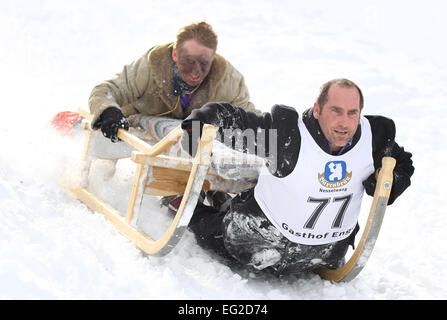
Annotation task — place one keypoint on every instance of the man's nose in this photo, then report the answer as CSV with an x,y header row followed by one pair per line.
x,y
196,68
343,120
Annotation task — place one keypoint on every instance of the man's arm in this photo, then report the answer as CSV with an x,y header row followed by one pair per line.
x,y
242,97
123,89
384,145
227,116
279,127
233,89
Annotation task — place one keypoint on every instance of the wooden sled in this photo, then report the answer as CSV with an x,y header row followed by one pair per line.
x,y
366,244
160,175
156,174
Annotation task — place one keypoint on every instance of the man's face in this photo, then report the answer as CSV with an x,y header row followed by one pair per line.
x,y
340,116
193,60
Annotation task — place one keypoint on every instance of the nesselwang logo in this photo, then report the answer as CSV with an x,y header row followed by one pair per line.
x,y
334,175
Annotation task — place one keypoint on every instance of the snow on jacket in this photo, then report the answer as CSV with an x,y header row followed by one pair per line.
x,y
146,86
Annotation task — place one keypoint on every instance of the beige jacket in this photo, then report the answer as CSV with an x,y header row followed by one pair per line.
x,y
146,86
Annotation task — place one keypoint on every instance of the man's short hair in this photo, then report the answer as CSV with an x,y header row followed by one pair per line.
x,y
324,90
202,32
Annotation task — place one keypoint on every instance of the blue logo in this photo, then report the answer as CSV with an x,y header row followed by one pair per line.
x,y
335,175
335,171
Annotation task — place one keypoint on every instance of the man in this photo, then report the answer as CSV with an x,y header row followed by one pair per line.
x,y
303,212
169,80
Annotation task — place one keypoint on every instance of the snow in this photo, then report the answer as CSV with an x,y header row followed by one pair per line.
x,y
53,54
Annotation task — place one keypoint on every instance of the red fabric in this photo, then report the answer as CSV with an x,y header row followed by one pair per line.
x,y
174,205
65,121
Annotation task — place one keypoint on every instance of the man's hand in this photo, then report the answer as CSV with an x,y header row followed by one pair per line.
x,y
400,183
192,131
110,121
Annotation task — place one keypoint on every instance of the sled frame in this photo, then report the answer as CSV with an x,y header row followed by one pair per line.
x,y
181,176
366,244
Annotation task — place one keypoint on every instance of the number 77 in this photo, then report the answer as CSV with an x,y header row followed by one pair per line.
x,y
311,222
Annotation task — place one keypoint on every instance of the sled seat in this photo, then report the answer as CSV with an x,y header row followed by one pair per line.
x,y
162,169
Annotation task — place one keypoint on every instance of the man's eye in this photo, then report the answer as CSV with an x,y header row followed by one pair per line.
x,y
336,110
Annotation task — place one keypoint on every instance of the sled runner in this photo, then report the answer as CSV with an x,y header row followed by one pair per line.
x,y
158,174
366,244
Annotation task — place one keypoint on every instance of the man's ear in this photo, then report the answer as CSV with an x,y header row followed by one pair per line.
x,y
174,55
316,110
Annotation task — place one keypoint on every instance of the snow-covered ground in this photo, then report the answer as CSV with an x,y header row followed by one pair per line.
x,y
54,52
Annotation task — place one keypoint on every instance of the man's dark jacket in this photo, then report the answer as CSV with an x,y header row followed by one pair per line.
x,y
284,120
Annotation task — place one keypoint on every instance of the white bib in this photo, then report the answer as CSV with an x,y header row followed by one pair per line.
x,y
319,202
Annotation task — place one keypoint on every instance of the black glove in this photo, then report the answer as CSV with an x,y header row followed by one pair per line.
x,y
400,183
192,131
370,184
110,121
